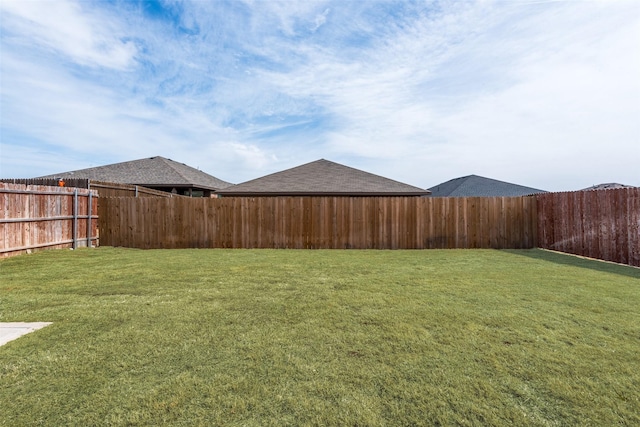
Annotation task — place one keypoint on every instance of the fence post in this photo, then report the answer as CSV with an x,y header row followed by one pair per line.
x,y
75,218
89,228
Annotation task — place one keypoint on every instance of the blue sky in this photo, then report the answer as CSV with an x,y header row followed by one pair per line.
x,y
539,93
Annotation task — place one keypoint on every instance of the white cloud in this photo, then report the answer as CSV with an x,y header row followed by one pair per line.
x,y
290,14
63,26
89,121
523,96
572,117
542,94
320,20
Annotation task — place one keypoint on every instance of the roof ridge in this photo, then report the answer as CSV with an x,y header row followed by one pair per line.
x,y
91,168
171,164
476,185
458,182
326,177
156,170
332,163
372,174
278,172
499,180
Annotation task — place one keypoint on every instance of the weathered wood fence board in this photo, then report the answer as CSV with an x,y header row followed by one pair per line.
x,y
36,216
601,224
319,222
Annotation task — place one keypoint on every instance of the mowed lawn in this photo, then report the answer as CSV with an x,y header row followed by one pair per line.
x,y
315,337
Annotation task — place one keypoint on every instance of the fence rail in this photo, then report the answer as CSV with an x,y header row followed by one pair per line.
x,y
319,222
105,189
112,189
602,224
37,216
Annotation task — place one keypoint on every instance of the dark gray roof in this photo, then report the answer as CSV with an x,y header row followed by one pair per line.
x,y
323,177
608,186
478,186
153,171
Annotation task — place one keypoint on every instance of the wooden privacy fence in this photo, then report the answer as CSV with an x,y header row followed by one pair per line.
x,y
36,216
601,224
319,222
598,224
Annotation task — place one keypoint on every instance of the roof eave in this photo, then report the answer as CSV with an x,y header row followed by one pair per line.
x,y
195,186
323,194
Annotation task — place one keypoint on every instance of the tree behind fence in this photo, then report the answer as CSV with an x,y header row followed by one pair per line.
x,y
319,222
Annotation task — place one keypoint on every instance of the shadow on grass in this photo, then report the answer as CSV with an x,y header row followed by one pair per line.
x,y
575,261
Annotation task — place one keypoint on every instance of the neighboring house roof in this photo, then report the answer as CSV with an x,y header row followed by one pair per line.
x,y
152,172
607,186
478,186
325,178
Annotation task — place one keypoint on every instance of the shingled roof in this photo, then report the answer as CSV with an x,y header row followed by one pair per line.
x,y
322,178
478,186
607,186
150,172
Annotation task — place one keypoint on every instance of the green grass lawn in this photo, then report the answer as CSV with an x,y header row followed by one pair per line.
x,y
279,337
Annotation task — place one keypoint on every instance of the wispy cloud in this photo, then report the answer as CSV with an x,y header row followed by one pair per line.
x,y
63,27
543,94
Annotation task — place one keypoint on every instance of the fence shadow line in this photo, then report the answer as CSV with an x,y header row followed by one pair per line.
x,y
578,261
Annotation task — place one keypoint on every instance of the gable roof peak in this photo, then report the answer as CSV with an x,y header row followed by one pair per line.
x,y
479,186
323,177
156,171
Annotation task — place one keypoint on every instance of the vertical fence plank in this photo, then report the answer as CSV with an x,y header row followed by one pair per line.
x,y
633,230
430,232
